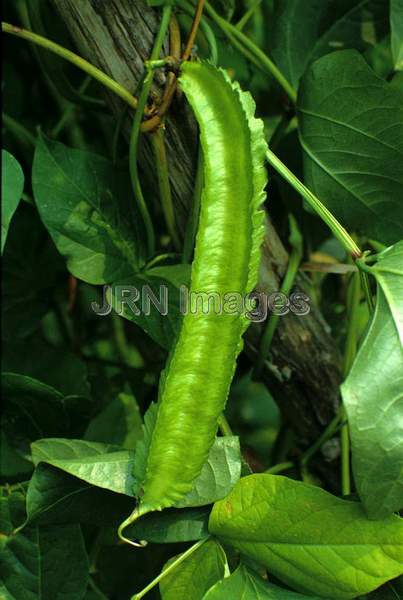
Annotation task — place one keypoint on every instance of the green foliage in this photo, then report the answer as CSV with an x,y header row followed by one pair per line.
x,y
305,31
40,563
246,584
192,578
12,185
353,149
308,538
163,328
84,204
373,395
172,525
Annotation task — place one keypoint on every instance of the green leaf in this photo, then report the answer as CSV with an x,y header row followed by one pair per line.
x,y
396,25
31,269
40,563
84,202
32,410
351,129
195,575
244,584
12,186
98,464
218,476
373,397
171,525
123,413
57,498
388,271
304,31
129,299
313,541
109,467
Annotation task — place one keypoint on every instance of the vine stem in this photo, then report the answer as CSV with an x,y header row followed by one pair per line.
x,y
193,30
354,293
337,229
273,320
135,132
156,120
170,568
73,58
264,62
161,162
205,27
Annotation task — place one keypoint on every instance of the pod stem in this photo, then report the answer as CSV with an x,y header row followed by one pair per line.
x,y
136,514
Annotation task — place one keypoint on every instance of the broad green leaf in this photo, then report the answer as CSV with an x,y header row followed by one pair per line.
x,y
32,410
313,541
244,584
40,563
118,423
304,31
396,25
31,269
85,204
111,468
351,129
388,271
12,186
171,525
373,397
98,464
57,498
195,575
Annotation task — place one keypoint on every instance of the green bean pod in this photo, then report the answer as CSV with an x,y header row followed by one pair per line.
x,y
195,384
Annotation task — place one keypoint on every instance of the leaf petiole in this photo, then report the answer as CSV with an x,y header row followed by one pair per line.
x,y
170,568
324,213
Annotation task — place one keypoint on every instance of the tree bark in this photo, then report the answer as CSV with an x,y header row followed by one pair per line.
x,y
303,369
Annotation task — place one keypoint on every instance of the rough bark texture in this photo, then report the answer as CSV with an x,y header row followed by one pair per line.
x,y
303,370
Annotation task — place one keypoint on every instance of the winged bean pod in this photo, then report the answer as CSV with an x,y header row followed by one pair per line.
x,y
195,384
